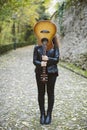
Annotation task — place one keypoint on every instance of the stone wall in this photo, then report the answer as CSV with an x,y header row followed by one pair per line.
x,y
74,42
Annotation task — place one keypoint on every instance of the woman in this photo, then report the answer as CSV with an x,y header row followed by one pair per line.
x,y
49,60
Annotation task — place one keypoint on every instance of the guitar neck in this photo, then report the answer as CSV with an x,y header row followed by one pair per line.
x,y
44,51
44,45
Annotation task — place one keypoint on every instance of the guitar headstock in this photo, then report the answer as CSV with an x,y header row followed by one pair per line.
x,y
45,29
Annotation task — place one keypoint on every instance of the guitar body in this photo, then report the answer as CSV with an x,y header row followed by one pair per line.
x,y
45,30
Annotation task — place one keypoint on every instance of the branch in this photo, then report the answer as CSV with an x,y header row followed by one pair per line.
x,y
53,15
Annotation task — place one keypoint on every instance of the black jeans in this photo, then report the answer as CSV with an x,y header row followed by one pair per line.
x,y
50,92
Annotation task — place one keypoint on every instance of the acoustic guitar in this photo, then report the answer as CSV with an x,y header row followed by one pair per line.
x,y
45,31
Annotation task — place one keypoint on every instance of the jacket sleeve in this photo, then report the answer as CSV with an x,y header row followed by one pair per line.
x,y
35,57
54,60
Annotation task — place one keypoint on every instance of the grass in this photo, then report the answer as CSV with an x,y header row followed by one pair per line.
x,y
73,68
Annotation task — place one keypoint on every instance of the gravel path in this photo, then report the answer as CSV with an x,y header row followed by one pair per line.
x,y
18,96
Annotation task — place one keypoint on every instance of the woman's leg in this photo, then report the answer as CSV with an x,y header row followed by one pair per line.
x,y
50,92
41,102
41,93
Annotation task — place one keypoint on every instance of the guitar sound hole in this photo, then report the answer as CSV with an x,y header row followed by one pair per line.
x,y
45,31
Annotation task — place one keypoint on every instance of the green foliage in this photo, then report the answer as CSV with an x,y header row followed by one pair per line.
x,y
5,34
17,18
60,12
5,48
62,7
40,10
74,68
69,3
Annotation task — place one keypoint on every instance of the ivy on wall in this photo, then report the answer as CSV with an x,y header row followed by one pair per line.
x,y
61,8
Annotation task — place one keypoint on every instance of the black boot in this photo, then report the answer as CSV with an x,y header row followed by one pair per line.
x,y
42,119
48,118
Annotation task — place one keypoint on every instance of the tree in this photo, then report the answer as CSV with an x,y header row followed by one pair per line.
x,y
22,13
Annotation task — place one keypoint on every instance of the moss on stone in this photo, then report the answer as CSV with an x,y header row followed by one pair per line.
x,y
73,68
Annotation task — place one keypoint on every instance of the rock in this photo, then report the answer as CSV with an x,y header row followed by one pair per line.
x,y
74,42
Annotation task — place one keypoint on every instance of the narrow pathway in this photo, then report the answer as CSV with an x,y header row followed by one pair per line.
x,y
18,96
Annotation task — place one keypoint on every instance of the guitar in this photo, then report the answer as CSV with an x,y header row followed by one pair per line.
x,y
45,31
44,76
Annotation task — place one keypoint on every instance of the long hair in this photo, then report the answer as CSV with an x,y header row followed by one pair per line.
x,y
56,41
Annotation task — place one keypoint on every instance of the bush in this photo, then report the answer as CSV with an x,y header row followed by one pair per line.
x,y
5,48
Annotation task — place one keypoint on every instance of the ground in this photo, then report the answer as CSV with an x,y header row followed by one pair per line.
x,y
18,96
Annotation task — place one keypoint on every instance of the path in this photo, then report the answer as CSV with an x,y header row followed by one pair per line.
x,y
18,96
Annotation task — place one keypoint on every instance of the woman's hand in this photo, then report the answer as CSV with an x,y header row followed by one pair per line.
x,y
43,63
44,58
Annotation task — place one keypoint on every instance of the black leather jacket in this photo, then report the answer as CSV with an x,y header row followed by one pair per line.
x,y
53,59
